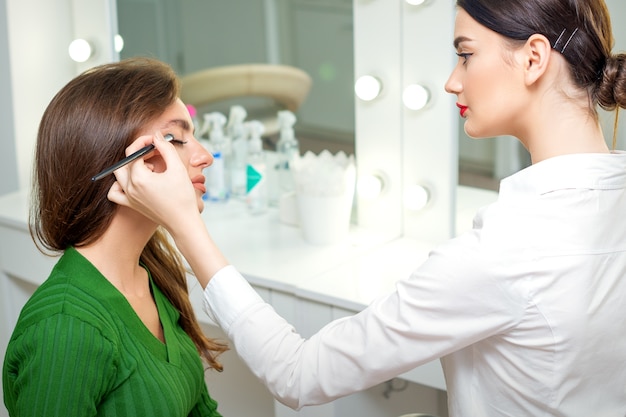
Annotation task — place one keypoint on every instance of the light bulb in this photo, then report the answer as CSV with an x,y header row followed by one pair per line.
x,y
367,87
415,97
417,2
118,41
416,197
80,50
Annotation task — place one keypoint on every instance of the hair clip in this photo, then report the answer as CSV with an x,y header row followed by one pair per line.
x,y
561,37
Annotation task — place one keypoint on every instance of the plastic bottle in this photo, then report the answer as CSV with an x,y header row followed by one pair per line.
x,y
256,197
217,180
287,149
239,140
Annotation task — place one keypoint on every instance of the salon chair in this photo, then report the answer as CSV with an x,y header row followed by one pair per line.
x,y
262,89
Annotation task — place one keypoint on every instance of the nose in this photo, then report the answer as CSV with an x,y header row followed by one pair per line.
x,y
454,85
201,157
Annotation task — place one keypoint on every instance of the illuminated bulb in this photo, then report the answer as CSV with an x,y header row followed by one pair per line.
x,y
369,187
367,87
415,97
118,41
417,2
80,50
416,197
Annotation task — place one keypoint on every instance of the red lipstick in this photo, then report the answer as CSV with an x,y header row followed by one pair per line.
x,y
463,109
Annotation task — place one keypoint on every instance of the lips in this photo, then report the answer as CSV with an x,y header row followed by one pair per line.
x,y
463,109
198,183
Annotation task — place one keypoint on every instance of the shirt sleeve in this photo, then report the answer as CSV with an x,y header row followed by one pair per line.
x,y
58,367
449,302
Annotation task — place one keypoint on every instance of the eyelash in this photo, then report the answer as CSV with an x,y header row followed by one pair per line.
x,y
465,56
177,141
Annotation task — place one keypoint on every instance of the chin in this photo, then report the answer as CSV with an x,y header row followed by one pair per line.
x,y
476,133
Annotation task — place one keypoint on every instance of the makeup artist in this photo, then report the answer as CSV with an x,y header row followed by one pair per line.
x,y
111,332
526,311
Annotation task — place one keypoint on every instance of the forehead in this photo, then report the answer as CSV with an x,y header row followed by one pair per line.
x,y
469,31
175,115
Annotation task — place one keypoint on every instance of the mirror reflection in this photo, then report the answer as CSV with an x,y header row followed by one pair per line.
x,y
315,36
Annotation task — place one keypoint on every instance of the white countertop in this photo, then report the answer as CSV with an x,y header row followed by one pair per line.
x,y
271,254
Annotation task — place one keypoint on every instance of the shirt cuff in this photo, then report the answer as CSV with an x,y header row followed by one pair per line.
x,y
227,296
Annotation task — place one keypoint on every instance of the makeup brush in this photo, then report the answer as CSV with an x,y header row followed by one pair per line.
x,y
130,158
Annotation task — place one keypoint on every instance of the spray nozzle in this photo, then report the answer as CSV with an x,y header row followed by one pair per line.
x,y
286,120
255,129
214,124
235,121
237,115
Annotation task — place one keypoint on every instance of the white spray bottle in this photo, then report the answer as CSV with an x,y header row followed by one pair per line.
x,y
287,149
217,184
239,143
256,197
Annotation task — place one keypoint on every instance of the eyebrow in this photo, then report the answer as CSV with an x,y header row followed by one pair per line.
x,y
459,40
180,122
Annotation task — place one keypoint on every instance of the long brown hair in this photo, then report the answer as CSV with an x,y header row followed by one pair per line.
x,y
86,128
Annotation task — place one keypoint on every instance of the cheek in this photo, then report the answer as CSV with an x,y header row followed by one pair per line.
x,y
492,104
158,163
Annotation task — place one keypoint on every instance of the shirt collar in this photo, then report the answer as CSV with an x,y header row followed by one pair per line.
x,y
576,171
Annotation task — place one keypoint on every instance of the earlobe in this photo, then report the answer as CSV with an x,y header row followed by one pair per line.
x,y
537,52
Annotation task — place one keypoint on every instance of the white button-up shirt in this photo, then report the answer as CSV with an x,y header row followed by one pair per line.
x,y
527,311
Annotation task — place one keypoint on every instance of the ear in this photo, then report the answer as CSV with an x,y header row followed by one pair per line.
x,y
535,55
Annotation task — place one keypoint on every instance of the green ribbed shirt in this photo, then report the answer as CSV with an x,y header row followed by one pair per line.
x,y
79,349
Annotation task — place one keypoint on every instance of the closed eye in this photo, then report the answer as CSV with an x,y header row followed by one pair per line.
x,y
178,141
464,55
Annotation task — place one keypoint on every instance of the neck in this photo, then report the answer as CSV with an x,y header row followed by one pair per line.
x,y
567,135
555,125
116,254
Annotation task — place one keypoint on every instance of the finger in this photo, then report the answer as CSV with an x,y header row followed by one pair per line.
x,y
117,195
167,151
139,143
123,174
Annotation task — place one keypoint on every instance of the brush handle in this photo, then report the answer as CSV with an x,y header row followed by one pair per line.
x,y
130,158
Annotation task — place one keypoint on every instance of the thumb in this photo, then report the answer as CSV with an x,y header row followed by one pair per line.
x,y
168,152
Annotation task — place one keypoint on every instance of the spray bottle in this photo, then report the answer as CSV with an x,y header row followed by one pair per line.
x,y
239,141
217,183
256,197
287,149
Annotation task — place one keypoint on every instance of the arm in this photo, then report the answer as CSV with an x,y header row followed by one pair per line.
x,y
448,303
60,366
451,301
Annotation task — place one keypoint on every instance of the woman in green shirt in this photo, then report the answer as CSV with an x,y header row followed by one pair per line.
x,y
111,332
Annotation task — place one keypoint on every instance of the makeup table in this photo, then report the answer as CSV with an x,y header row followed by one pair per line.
x,y
309,285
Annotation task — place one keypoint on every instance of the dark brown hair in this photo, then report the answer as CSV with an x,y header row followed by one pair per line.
x,y
588,53
86,128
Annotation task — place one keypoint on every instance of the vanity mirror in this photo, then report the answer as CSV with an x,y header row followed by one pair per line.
x,y
315,36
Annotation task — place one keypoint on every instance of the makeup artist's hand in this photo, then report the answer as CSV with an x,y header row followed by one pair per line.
x,y
165,197
169,199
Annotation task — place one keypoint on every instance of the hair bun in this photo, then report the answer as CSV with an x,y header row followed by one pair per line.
x,y
611,90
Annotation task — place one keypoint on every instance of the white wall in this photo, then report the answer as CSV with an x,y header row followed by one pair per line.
x,y
39,33
8,157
